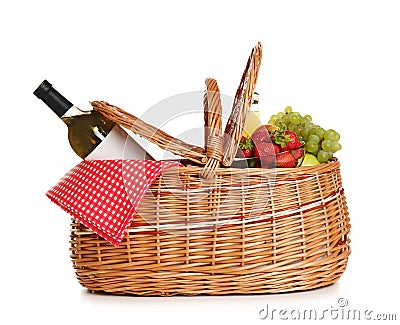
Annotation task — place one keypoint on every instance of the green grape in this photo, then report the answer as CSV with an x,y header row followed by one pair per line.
x,y
298,129
319,142
314,130
295,119
327,145
280,124
323,156
291,127
305,131
285,119
313,137
312,147
288,109
320,132
332,135
309,125
336,146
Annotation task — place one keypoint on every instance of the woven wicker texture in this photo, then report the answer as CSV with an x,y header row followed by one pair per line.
x,y
248,231
150,132
213,139
241,104
211,230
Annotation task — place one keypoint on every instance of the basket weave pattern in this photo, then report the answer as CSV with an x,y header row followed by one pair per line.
x,y
204,229
294,238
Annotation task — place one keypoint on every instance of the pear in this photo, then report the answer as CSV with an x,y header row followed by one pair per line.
x,y
310,160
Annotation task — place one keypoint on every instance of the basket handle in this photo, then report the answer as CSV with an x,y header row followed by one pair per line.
x,y
241,105
150,132
213,140
233,129
223,149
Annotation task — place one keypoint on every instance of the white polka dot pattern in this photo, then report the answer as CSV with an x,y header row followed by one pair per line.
x,y
104,195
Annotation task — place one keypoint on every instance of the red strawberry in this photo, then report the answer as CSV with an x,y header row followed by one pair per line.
x,y
297,144
280,138
291,134
246,145
292,142
285,160
297,153
247,153
276,149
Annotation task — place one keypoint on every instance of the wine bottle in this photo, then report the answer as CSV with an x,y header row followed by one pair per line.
x,y
253,117
90,134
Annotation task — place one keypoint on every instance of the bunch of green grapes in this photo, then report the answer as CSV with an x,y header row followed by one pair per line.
x,y
318,141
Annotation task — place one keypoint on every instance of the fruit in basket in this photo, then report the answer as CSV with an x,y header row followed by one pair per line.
x,y
269,141
278,148
332,135
271,127
273,146
310,160
320,143
292,141
298,153
246,145
312,147
323,156
285,160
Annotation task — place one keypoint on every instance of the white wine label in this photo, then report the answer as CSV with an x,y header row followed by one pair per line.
x,y
118,145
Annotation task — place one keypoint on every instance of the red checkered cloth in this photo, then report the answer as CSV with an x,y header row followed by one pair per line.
x,y
104,195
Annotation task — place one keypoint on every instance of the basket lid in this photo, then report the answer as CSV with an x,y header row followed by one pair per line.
x,y
220,149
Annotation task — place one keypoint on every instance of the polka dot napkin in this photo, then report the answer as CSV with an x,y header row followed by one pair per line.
x,y
104,195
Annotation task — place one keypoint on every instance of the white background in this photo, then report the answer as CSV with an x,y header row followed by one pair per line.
x,y
336,60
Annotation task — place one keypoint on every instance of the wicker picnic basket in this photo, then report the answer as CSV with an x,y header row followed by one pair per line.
x,y
205,228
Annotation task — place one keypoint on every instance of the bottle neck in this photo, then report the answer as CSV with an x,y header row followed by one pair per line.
x,y
74,111
70,116
52,98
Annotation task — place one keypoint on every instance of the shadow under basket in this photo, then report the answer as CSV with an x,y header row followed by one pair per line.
x,y
248,231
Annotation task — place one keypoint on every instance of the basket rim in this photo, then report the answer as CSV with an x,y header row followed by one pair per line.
x,y
298,174
332,163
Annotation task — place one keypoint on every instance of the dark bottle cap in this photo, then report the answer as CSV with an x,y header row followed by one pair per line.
x,y
52,98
